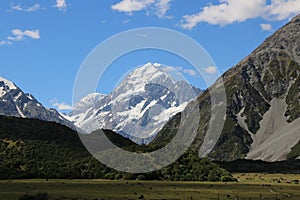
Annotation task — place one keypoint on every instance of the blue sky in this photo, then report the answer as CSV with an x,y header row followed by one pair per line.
x,y
43,43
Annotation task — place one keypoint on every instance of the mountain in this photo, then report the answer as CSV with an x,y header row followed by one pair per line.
x,y
263,103
14,102
31,148
138,107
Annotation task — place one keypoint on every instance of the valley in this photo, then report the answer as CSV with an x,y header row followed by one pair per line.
x,y
255,155
251,186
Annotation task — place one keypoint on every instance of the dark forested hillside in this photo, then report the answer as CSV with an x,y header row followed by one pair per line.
x,y
32,148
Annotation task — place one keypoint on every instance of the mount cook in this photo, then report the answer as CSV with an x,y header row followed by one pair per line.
x,y
138,107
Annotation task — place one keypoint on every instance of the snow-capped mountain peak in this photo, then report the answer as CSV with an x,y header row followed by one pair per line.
x,y
138,107
90,100
14,102
6,86
136,80
146,73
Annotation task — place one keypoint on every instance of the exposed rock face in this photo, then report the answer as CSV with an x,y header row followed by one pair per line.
x,y
265,80
138,107
14,102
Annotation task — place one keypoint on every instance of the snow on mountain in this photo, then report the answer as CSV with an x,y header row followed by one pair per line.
x,y
6,86
138,107
89,111
14,102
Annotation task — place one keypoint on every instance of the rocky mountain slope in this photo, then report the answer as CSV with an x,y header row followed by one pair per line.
x,y
138,107
263,103
14,102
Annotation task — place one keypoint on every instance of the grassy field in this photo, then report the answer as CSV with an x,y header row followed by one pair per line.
x,y
250,186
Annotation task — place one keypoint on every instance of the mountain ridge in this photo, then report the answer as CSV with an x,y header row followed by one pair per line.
x,y
269,74
14,102
138,107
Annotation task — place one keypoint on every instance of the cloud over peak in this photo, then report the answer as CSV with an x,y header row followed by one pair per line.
x,y
60,106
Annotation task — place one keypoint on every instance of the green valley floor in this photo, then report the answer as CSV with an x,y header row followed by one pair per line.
x,y
250,186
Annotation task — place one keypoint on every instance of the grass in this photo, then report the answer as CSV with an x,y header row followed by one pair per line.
x,y
251,186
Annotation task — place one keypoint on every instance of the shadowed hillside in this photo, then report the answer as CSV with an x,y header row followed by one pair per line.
x,y
32,148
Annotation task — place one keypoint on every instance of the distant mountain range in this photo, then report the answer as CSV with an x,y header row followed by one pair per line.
x,y
14,102
263,103
138,107
262,119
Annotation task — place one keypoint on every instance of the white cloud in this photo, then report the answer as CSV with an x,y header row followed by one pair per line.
x,y
186,71
60,106
160,7
130,6
18,35
266,27
283,9
227,12
5,42
33,8
232,11
180,70
211,70
61,4
190,72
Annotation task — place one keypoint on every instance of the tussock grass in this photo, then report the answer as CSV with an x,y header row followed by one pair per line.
x,y
251,186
